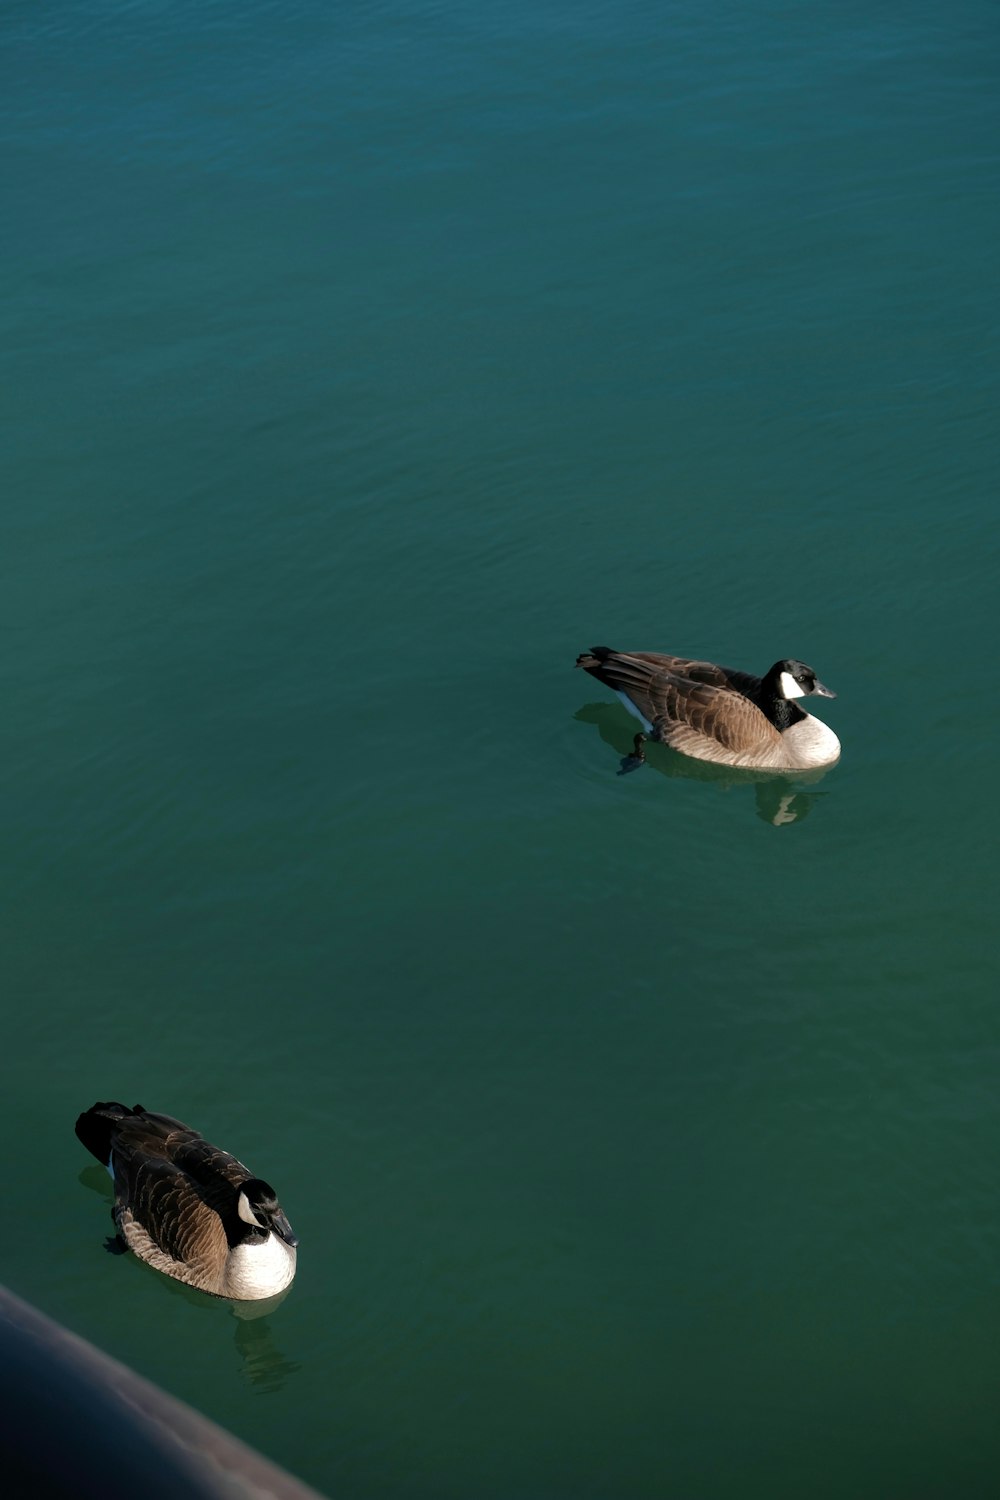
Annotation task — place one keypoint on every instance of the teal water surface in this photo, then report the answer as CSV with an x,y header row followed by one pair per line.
x,y
364,365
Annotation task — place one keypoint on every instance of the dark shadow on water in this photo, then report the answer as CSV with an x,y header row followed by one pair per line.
x,y
97,1180
779,798
262,1363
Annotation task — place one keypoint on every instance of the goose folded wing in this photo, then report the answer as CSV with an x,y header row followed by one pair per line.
x,y
695,718
212,1169
681,706
689,710
729,679
682,666
180,1216
641,677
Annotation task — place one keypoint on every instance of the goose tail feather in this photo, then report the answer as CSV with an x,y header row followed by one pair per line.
x,y
95,1127
588,660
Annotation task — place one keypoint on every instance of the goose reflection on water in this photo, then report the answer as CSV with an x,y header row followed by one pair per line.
x,y
780,798
264,1365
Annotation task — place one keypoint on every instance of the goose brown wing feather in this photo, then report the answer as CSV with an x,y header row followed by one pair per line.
x,y
208,1165
707,672
717,716
151,1137
177,1215
709,712
174,1192
155,1136
688,703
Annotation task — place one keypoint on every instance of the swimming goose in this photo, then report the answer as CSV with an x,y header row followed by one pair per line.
x,y
188,1209
714,713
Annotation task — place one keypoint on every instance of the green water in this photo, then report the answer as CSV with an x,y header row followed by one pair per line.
x,y
364,365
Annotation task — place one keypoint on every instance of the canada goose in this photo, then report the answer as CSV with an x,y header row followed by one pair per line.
x,y
713,713
189,1209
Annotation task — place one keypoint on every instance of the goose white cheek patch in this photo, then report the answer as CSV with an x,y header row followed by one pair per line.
x,y
246,1213
789,687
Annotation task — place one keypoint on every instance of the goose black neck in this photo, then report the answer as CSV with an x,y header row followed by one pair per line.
x,y
238,1232
783,712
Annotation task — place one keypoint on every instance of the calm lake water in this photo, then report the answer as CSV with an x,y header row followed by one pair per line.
x,y
364,364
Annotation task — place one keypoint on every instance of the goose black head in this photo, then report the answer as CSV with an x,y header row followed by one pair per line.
x,y
793,679
257,1204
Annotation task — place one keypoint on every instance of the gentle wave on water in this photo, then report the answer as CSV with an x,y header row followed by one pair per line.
x,y
364,367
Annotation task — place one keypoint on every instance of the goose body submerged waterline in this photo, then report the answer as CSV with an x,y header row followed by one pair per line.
x,y
189,1209
717,714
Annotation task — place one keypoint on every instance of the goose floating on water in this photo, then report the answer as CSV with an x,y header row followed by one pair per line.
x,y
188,1209
718,714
